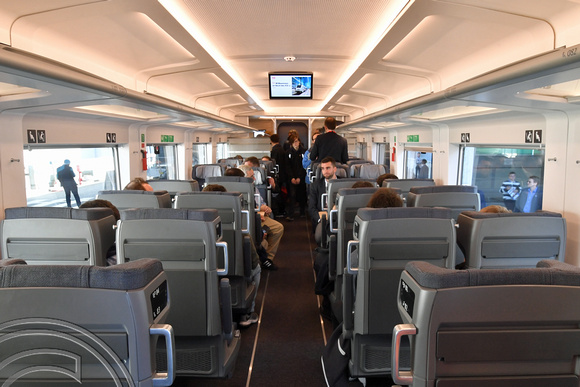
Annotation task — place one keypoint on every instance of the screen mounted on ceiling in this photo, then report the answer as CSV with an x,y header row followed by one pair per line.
x,y
290,85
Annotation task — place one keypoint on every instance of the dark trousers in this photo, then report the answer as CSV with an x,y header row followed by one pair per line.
x,y
68,188
510,204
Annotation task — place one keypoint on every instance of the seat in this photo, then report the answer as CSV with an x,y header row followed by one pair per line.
x,y
369,171
335,184
478,327
261,183
405,185
201,172
353,163
58,236
236,234
510,240
201,314
174,186
124,199
456,197
244,185
89,325
348,201
386,239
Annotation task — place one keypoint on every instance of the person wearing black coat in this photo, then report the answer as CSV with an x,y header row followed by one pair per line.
x,y
295,178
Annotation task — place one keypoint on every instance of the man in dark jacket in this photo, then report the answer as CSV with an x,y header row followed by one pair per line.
x,y
66,176
330,144
317,188
296,176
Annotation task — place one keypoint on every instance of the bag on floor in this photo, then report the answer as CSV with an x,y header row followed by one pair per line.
x,y
335,360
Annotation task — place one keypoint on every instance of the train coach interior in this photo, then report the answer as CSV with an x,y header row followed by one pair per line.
x,y
151,88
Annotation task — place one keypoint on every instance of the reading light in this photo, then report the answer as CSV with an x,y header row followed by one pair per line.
x,y
289,58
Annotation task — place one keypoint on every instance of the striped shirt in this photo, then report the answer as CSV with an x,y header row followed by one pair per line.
x,y
510,189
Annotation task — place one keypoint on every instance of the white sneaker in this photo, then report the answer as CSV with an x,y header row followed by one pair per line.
x,y
249,319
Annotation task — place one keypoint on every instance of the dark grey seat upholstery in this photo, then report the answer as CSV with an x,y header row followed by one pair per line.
x,y
201,172
201,314
478,327
235,233
351,164
456,197
335,184
510,240
86,325
58,236
125,199
174,186
388,238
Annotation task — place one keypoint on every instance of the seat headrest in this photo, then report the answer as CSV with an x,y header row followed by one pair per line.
x,y
547,272
483,215
132,192
169,213
230,179
212,193
367,214
127,276
444,188
357,191
57,213
205,171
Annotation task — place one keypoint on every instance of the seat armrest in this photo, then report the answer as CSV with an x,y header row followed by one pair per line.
x,y
332,257
226,309
247,252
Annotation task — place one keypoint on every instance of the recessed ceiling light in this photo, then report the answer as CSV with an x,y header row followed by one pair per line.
x,y
289,58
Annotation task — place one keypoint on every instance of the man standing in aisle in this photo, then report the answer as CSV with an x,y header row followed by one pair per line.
x,y
330,144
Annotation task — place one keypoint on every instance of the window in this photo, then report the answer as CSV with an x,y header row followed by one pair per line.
x,y
221,151
418,164
488,167
199,154
161,162
96,169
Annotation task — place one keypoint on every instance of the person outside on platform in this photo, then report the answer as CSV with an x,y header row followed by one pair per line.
x,y
66,176
510,189
530,199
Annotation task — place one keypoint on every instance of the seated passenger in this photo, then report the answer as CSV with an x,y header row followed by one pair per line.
x,y
100,203
495,209
385,176
363,184
385,197
214,188
274,230
138,184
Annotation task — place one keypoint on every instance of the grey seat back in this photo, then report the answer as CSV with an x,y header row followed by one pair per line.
x,y
353,163
84,324
244,185
369,171
174,186
201,172
456,197
124,199
405,185
58,236
470,324
335,184
511,240
234,233
185,242
389,238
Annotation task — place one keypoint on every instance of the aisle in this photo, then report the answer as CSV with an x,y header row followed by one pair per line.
x,y
284,348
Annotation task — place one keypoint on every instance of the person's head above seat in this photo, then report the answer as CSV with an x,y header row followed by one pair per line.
x,y
138,184
214,188
384,198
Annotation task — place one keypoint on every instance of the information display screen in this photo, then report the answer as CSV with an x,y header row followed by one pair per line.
x,y
290,86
